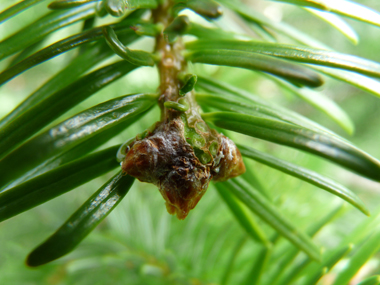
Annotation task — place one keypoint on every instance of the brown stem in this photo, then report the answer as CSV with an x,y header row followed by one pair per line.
x,y
171,64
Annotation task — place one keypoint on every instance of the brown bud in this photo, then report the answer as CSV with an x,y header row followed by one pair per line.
x,y
228,163
167,160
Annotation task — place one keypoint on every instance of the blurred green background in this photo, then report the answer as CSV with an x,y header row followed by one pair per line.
x,y
139,243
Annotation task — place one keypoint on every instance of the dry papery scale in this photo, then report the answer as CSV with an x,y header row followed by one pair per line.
x,y
180,154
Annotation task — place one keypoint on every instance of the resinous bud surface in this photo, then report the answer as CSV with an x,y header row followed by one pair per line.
x,y
181,166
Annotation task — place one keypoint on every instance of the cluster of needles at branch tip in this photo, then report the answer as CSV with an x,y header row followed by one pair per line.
x,y
180,154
